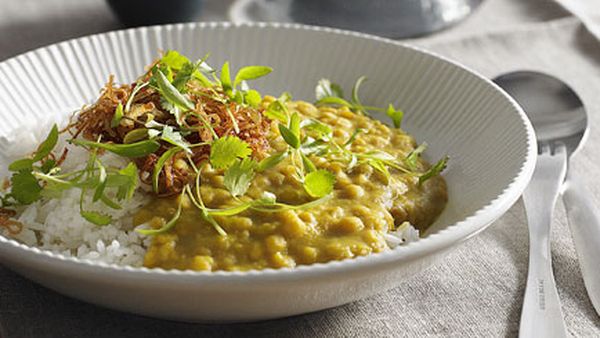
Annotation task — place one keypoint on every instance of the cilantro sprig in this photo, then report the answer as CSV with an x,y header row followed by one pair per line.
x,y
38,176
329,93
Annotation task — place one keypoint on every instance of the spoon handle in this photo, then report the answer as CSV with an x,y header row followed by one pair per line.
x,y
584,221
541,315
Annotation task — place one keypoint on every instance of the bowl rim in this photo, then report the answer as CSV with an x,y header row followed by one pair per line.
x,y
443,239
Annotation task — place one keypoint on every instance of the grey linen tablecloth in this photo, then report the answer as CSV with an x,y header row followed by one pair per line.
x,y
475,291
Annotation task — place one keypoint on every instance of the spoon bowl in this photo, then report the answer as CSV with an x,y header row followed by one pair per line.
x,y
555,110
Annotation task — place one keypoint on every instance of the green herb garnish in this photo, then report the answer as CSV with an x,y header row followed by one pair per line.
x,y
319,183
413,156
326,88
96,217
435,170
132,150
47,145
395,115
166,156
226,150
238,176
171,94
277,111
271,161
135,135
116,120
25,187
251,73
169,224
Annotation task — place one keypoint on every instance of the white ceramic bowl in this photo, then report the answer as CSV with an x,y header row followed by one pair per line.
x,y
488,138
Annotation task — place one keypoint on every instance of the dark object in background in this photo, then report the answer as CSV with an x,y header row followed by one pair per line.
x,y
389,18
134,13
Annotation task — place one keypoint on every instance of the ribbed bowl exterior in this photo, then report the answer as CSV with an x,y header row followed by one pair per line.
x,y
457,112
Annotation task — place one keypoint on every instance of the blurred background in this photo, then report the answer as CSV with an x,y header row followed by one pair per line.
x,y
38,23
390,18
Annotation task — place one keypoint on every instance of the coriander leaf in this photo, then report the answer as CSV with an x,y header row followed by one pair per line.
x,y
129,176
174,60
395,115
116,119
277,111
198,75
137,149
96,217
309,166
238,177
136,135
25,187
251,73
21,164
47,145
184,75
332,100
203,69
289,136
295,124
168,225
226,79
271,161
48,165
174,137
171,94
413,156
355,89
167,155
238,97
154,74
435,170
319,183
225,150
252,98
326,88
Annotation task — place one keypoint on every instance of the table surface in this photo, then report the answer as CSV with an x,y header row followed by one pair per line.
x,y
476,291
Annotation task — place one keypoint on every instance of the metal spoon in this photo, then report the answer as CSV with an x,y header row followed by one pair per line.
x,y
561,123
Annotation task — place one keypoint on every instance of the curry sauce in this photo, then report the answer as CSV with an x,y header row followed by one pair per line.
x,y
364,206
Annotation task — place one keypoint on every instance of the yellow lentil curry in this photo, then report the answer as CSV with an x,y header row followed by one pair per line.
x,y
236,181
365,206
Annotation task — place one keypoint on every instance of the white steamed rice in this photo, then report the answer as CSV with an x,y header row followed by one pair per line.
x,y
57,225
